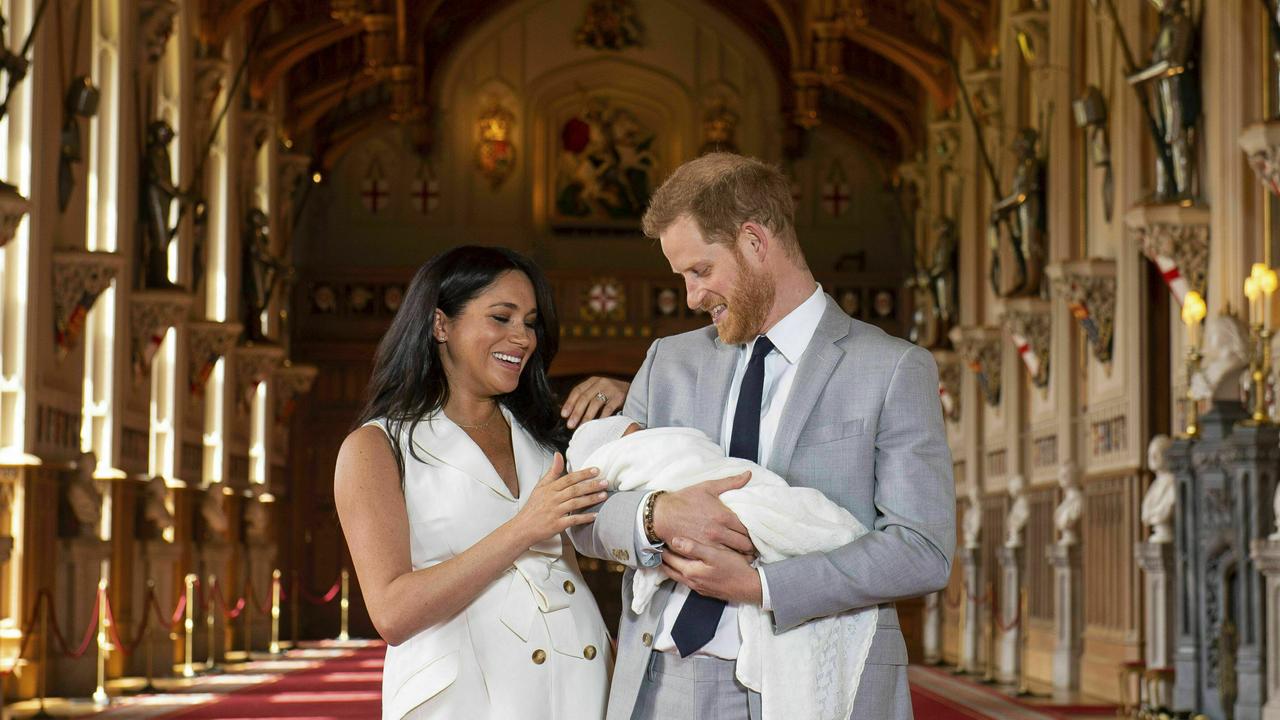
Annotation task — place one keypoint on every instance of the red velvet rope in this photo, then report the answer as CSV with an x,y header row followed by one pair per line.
x,y
28,632
229,614
321,600
88,633
1017,620
248,592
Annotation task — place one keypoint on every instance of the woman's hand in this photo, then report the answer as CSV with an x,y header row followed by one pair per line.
x,y
584,402
554,500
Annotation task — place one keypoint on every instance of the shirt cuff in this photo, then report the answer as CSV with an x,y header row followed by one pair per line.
x,y
647,554
765,603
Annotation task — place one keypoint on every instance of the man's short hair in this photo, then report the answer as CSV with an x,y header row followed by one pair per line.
x,y
720,192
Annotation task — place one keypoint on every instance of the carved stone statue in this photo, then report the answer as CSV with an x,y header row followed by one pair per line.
x,y
1067,514
936,290
1174,72
972,522
257,521
199,241
1162,496
1019,513
155,508
1023,212
156,213
261,272
84,497
1226,354
215,521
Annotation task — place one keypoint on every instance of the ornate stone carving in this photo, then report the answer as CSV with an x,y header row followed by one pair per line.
x,y
1162,495
949,373
1019,512
252,365
945,141
257,518
1028,324
1067,514
84,497
79,277
808,87
1031,28
206,342
212,517
1261,144
289,381
1089,289
155,507
13,207
155,19
151,314
1176,239
210,74
983,84
979,347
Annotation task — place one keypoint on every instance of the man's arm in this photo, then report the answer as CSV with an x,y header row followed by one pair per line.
x,y
908,553
613,535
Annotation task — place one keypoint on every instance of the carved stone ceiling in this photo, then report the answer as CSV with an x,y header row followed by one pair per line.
x,y
893,54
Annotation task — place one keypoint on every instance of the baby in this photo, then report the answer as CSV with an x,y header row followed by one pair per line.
x,y
809,671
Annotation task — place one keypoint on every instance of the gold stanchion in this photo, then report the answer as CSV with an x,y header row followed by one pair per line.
x,y
962,667
42,678
189,625
294,609
275,612
1024,690
210,662
989,676
343,604
150,685
100,697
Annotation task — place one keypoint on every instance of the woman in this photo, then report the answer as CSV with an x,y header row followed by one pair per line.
x,y
453,501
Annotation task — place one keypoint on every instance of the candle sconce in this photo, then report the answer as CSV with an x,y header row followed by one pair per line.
x,y
1193,312
1258,289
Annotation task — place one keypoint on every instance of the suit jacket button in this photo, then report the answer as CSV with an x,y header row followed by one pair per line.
x,y
539,656
647,639
569,588
589,652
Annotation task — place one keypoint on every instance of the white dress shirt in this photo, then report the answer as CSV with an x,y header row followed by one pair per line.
x,y
790,337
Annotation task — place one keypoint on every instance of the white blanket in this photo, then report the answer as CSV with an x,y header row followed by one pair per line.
x,y
811,671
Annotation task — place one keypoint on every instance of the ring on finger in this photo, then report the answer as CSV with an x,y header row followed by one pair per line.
x,y
602,397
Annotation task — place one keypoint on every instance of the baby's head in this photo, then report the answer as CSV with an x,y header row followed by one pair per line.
x,y
591,436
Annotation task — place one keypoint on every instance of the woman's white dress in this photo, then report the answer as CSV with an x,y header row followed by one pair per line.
x,y
532,645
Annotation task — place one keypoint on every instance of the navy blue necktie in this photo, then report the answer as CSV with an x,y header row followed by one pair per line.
x,y
697,621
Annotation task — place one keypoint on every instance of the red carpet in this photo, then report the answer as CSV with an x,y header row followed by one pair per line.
x,y
349,686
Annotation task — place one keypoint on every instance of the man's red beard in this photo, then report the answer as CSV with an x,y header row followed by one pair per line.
x,y
747,306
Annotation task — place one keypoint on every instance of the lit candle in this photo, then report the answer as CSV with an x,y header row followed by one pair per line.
x,y
1252,291
1268,286
1193,311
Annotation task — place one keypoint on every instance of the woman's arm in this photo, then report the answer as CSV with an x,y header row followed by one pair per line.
x,y
402,601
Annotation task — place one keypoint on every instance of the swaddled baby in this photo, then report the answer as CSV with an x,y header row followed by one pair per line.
x,y
811,671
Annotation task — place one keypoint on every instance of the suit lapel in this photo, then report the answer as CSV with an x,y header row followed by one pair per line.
x,y
715,377
816,366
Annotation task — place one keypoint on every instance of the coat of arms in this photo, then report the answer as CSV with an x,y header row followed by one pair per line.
x,y
609,25
606,166
495,153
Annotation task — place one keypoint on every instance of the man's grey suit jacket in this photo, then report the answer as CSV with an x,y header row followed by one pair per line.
x,y
863,424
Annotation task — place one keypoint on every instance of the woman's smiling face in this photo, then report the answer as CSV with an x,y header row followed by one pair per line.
x,y
485,347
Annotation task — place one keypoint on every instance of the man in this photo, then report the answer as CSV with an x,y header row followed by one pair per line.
x,y
787,379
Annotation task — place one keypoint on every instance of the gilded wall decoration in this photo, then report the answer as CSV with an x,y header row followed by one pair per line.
x,y
719,128
606,167
604,299
610,25
495,151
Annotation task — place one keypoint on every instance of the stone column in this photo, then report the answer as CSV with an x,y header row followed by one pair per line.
x,y
80,565
1008,657
933,628
1266,556
1065,560
970,638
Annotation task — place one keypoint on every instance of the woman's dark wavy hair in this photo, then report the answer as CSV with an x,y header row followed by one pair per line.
x,y
408,382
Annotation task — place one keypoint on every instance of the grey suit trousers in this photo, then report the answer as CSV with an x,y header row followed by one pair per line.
x,y
704,688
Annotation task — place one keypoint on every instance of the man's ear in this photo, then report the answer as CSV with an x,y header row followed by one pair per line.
x,y
438,326
756,240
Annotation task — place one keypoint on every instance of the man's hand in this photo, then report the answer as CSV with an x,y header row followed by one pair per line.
x,y
697,513
584,401
712,571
